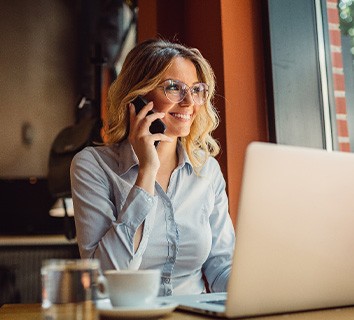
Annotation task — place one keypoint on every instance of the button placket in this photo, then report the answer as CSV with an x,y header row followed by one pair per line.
x,y
172,239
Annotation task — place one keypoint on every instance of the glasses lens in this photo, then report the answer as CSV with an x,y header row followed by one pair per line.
x,y
176,91
199,93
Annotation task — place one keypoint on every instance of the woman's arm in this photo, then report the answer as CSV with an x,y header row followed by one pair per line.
x,y
143,144
109,212
217,268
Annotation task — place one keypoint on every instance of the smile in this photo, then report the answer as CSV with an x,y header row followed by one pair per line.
x,y
182,116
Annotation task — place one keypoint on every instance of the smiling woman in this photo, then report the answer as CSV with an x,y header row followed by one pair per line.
x,y
176,102
138,206
153,63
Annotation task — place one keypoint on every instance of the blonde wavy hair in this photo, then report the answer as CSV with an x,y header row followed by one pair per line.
x,y
142,72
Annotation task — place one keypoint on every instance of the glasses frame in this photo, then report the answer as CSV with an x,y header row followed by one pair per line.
x,y
185,89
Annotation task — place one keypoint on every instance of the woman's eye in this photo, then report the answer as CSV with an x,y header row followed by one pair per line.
x,y
197,89
173,87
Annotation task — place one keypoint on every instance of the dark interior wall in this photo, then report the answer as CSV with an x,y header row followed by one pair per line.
x,y
38,90
47,65
38,81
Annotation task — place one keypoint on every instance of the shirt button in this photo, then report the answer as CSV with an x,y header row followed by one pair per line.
x,y
149,199
167,280
172,260
169,292
170,217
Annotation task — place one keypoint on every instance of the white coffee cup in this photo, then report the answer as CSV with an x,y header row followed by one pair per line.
x,y
128,288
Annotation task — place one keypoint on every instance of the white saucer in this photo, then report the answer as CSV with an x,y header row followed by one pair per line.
x,y
105,308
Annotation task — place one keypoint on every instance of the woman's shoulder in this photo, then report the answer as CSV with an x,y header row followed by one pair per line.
x,y
94,151
107,154
113,157
211,165
211,171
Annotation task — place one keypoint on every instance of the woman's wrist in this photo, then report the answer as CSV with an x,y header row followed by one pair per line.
x,y
146,179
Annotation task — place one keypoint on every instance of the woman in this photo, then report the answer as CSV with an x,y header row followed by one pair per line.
x,y
138,206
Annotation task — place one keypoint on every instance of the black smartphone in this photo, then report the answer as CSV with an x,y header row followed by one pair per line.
x,y
157,126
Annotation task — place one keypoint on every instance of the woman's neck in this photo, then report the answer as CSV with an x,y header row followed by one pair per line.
x,y
167,152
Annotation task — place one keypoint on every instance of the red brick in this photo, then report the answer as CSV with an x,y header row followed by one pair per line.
x,y
339,82
344,146
341,105
335,37
342,128
337,60
333,16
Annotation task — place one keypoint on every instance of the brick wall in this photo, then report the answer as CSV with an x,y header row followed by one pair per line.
x,y
342,133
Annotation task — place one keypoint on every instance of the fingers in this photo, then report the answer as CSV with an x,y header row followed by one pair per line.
x,y
143,119
141,122
142,111
161,137
141,114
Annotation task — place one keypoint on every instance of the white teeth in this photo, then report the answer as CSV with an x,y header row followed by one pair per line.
x,y
182,116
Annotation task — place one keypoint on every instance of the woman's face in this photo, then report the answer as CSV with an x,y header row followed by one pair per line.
x,y
178,116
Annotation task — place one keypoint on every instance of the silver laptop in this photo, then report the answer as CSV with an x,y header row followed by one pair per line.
x,y
294,235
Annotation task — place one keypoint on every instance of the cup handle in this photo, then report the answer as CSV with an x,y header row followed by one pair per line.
x,y
102,291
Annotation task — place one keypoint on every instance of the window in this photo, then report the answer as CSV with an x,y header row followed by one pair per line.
x,y
310,80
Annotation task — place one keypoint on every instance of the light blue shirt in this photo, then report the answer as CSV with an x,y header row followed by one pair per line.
x,y
187,230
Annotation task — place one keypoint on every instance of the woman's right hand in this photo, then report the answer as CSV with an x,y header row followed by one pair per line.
x,y
143,141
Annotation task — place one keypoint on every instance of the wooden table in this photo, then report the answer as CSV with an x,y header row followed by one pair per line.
x,y
35,312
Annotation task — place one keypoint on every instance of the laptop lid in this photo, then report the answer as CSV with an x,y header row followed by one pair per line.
x,y
294,233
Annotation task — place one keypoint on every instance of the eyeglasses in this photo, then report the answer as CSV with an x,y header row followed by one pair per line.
x,y
176,91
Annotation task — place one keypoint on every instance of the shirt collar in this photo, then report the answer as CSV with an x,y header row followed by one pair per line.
x,y
127,158
183,159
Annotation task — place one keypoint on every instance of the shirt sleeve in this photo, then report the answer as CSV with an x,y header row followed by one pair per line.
x,y
217,267
105,229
